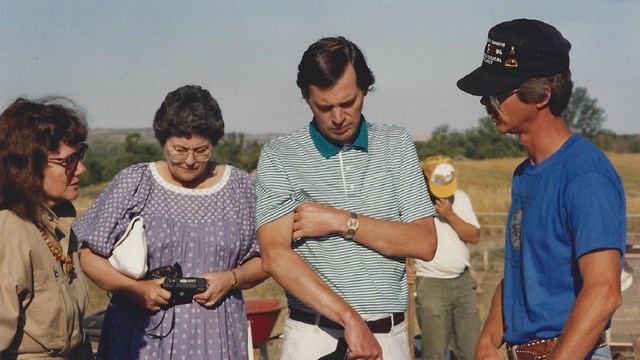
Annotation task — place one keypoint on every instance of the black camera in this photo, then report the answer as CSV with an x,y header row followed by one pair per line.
x,y
183,288
174,270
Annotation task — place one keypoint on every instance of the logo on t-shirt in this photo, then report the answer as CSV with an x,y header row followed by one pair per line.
x,y
515,228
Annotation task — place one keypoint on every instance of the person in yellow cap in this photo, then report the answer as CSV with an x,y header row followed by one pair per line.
x,y
446,304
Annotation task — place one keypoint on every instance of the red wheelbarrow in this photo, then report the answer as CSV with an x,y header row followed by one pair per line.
x,y
262,315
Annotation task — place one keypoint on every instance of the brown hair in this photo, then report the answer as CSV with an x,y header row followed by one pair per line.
x,y
186,111
29,132
324,63
532,91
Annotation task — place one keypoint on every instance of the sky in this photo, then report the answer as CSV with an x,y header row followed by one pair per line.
x,y
119,59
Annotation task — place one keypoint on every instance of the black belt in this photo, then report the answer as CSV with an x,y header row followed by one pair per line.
x,y
380,326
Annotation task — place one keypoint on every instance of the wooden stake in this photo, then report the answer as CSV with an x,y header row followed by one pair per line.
x,y
411,314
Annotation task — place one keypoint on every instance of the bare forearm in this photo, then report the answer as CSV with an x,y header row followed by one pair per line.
x,y
291,271
491,337
586,322
417,239
295,275
100,271
467,232
298,279
391,238
250,274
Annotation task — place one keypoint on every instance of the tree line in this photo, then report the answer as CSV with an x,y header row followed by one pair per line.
x,y
106,158
583,116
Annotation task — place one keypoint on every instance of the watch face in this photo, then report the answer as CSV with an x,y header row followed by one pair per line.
x,y
353,224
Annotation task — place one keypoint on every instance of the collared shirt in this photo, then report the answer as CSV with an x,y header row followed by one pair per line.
x,y
34,290
380,178
328,149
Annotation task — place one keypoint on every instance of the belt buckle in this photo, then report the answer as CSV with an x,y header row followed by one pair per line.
x,y
511,352
523,352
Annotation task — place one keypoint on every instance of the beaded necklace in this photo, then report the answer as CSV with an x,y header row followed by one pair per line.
x,y
66,260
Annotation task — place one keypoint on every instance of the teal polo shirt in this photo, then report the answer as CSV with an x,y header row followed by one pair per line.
x,y
328,149
377,176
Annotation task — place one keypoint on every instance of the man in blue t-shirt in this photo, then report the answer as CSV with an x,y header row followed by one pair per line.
x,y
566,229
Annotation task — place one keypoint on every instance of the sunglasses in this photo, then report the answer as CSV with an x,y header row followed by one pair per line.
x,y
496,100
70,163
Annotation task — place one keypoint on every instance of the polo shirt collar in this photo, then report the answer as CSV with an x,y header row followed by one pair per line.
x,y
328,149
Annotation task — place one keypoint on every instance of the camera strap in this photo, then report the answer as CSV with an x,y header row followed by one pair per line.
x,y
150,333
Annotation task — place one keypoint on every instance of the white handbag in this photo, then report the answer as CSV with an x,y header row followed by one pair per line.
x,y
129,255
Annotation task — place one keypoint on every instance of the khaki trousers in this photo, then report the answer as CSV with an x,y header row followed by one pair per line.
x,y
447,311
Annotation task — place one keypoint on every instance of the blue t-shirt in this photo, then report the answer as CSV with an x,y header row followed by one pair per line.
x,y
562,208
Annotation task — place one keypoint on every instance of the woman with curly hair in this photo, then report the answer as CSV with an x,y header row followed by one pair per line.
x,y
198,213
42,288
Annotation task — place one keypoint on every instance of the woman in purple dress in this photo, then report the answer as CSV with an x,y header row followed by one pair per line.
x,y
198,213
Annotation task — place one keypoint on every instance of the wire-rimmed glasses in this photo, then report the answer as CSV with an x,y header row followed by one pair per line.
x,y
179,154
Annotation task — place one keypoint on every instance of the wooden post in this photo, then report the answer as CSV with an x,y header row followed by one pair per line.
x,y
249,341
485,260
411,314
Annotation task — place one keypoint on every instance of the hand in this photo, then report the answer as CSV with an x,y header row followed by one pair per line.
x,y
361,342
150,295
313,219
487,351
218,285
444,209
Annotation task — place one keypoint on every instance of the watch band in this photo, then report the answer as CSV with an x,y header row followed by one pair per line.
x,y
352,225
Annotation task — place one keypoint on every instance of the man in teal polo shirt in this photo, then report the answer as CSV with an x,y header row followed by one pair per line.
x,y
341,203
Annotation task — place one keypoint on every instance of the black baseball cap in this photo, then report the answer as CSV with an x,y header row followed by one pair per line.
x,y
517,50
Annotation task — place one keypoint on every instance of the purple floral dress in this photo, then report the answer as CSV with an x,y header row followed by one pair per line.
x,y
205,230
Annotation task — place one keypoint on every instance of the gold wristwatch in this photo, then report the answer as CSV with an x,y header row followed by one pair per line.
x,y
352,226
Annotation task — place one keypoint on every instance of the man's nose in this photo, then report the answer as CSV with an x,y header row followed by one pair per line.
x,y
337,115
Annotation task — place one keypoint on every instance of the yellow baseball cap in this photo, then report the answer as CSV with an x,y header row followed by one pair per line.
x,y
441,175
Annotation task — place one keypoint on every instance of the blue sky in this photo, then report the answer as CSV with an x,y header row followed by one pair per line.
x,y
118,59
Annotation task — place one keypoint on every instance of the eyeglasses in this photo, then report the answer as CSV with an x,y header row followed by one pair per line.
x,y
179,154
496,100
70,163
